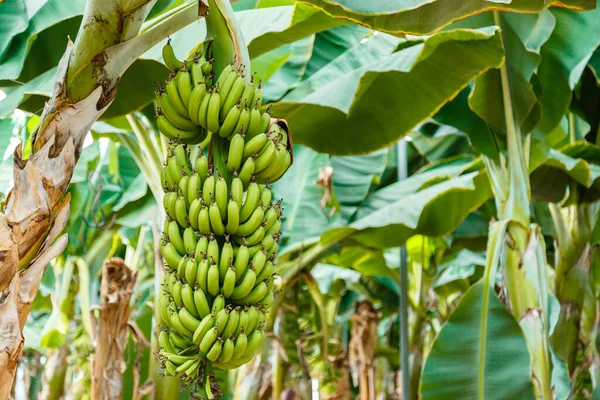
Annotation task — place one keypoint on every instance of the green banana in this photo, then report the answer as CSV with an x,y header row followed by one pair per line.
x,y
208,189
175,237
252,319
242,124
265,157
181,213
247,171
188,320
187,296
267,301
215,350
208,340
247,228
212,117
204,221
227,351
258,261
169,200
176,293
175,97
228,282
248,93
201,248
168,110
184,86
233,217
175,170
236,152
232,323
218,304
255,237
163,341
257,294
242,324
202,275
226,258
170,131
254,342
206,324
254,145
203,110
221,319
231,119
213,252
195,207
244,288
254,122
265,121
251,203
193,188
189,240
241,343
241,262
266,272
169,57
227,85
178,325
216,223
233,97
197,74
212,280
191,269
237,190
225,74
170,254
221,196
202,166
201,303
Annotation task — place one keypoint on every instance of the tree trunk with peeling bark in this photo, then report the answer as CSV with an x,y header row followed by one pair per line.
x,y
362,348
37,210
112,332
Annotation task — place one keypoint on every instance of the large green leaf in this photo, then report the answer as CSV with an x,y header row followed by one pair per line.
x,y
423,17
13,20
42,85
481,352
572,165
281,25
434,211
422,77
564,57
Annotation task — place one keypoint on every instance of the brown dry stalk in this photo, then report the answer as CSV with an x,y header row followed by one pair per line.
x,y
112,331
362,348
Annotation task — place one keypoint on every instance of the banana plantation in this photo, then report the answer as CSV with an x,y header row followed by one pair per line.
x,y
300,199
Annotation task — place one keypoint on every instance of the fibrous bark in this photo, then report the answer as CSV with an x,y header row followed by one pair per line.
x,y
362,348
112,332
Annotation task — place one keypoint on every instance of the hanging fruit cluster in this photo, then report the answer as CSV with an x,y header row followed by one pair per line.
x,y
222,228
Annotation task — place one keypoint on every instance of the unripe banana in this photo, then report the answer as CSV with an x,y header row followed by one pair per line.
x,y
254,122
175,170
202,275
179,326
197,74
251,203
181,266
212,280
170,131
231,119
242,124
207,69
203,110
181,157
228,282
225,88
246,172
255,237
241,343
233,97
225,74
265,157
191,269
188,320
187,296
195,207
255,249
258,261
202,166
178,340
227,351
273,250
267,301
236,151
201,303
265,121
175,97
221,319
215,350
216,222
208,340
271,215
208,189
165,179
175,118
266,272
184,86
206,324
212,118
275,228
201,248
169,57
189,240
283,167
242,324
218,304
248,93
257,294
204,221
254,342
193,189
221,196
176,293
232,323
169,200
163,309
181,213
254,145
244,288
233,217
225,259
241,262
213,252
247,228
266,196
163,341
257,99
237,190
175,237
252,319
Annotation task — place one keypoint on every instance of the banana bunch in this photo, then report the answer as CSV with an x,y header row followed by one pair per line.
x,y
178,103
220,235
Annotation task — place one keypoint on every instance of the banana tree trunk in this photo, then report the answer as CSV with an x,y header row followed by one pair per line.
x,y
362,348
108,363
55,371
37,209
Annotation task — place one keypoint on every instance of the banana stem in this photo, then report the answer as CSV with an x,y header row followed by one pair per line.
x,y
317,296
